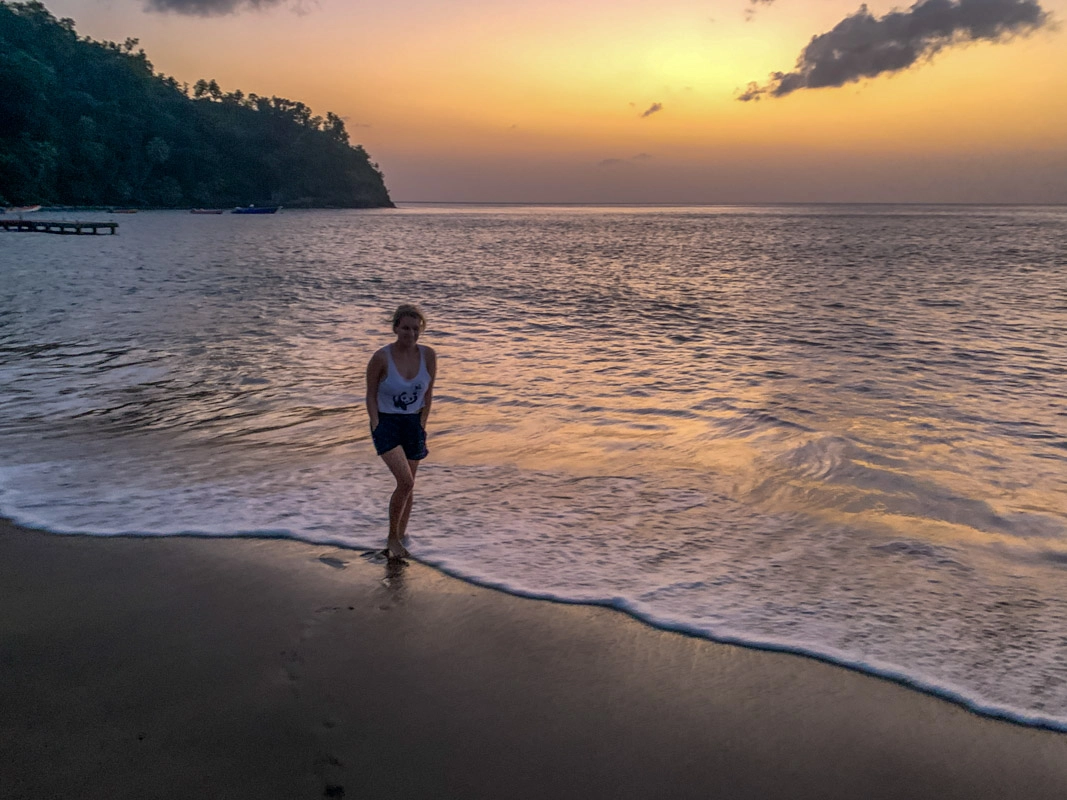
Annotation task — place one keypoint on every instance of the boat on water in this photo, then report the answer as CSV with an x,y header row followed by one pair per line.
x,y
19,209
205,210
256,209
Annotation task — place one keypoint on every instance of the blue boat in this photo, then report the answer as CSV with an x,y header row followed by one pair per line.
x,y
256,209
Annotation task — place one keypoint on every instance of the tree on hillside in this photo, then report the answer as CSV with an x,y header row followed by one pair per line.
x,y
91,123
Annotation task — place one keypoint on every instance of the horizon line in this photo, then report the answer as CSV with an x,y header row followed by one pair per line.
x,y
734,204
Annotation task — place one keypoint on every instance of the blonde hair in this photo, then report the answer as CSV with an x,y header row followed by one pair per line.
x,y
408,310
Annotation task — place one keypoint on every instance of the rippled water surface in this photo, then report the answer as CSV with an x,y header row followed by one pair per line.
x,y
838,430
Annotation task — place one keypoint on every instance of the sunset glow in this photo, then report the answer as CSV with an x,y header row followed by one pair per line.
x,y
634,101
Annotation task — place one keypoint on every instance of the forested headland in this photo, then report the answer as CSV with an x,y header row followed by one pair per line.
x,y
92,123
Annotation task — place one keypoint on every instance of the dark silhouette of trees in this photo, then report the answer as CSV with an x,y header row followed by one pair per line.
x,y
91,123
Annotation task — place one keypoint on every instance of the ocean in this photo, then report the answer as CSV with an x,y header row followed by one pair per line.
x,y
833,430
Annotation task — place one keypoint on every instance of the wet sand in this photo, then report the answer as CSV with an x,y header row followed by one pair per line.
x,y
196,668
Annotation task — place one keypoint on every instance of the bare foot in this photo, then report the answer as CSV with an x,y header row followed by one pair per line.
x,y
397,550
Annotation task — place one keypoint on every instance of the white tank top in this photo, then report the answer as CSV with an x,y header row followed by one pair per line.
x,y
398,395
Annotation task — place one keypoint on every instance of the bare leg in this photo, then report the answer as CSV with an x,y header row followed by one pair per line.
x,y
402,528
400,500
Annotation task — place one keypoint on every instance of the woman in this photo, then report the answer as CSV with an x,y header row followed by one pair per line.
x,y
400,381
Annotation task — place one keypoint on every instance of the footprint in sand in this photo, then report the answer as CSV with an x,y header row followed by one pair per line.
x,y
328,768
293,666
336,563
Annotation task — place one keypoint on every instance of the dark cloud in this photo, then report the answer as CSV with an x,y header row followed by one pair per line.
x,y
218,8
652,109
862,45
642,157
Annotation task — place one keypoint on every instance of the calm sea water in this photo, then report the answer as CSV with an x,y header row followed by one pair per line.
x,y
835,430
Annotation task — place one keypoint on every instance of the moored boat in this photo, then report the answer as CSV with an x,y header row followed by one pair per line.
x,y
256,209
205,210
20,209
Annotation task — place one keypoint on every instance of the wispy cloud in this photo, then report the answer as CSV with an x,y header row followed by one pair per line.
x,y
219,8
350,123
863,46
652,109
610,163
750,12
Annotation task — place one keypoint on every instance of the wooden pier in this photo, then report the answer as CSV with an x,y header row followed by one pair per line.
x,y
58,226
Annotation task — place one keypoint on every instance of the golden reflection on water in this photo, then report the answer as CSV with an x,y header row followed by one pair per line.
x,y
874,468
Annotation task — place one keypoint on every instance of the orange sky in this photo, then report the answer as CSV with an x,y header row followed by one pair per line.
x,y
468,100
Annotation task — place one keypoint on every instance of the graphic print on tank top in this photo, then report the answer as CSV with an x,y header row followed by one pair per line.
x,y
405,399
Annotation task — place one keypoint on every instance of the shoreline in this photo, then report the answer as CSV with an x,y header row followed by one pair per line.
x,y
179,666
886,673
877,671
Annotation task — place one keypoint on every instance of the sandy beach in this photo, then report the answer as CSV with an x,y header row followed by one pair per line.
x,y
230,668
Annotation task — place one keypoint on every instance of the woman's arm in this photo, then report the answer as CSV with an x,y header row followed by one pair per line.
x,y
374,378
431,367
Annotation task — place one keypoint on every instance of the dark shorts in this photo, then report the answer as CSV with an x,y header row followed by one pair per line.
x,y
400,430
